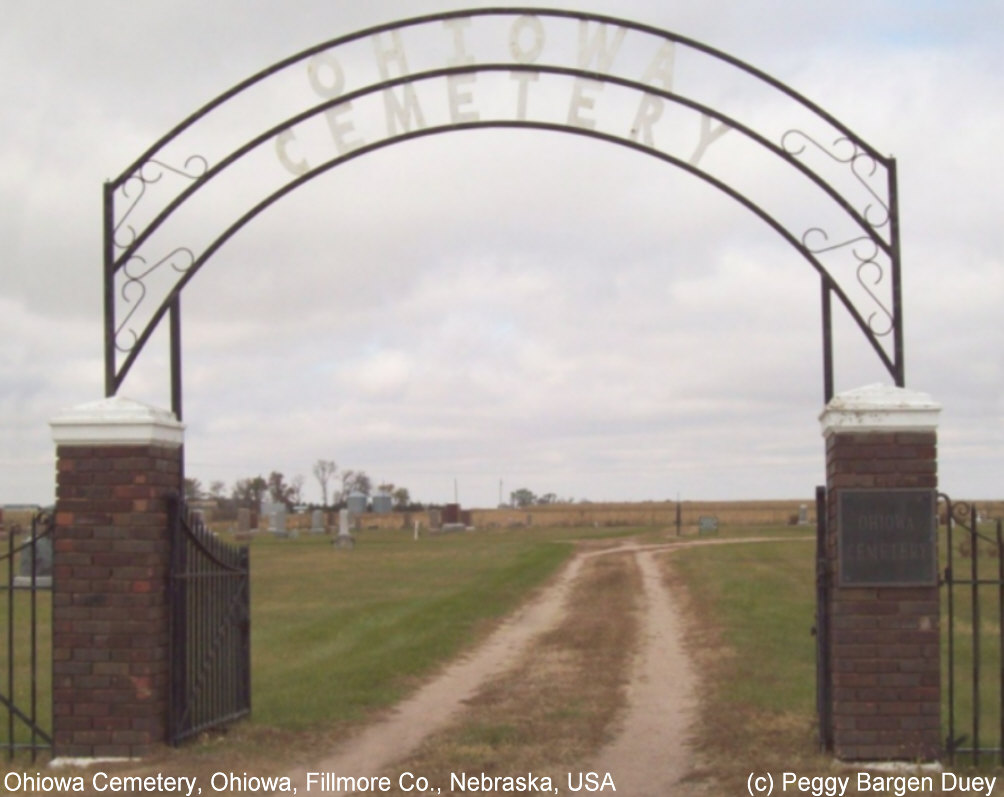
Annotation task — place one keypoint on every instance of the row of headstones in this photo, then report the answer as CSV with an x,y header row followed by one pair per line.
x,y
276,515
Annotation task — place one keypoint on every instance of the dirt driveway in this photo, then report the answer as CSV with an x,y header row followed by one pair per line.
x,y
649,753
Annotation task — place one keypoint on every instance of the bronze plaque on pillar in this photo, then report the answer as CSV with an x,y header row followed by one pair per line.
x,y
887,538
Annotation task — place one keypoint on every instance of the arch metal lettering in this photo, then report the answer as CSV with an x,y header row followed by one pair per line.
x,y
822,188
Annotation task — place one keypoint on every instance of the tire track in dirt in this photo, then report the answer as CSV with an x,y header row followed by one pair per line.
x,y
650,753
436,704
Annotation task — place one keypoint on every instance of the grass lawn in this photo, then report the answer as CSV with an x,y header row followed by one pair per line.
x,y
338,634
751,609
15,631
338,637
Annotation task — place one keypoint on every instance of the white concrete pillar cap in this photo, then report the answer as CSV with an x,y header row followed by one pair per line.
x,y
880,408
116,421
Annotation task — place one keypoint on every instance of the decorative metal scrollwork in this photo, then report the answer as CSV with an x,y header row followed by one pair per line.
x,y
150,172
181,260
879,273
961,511
867,261
870,271
859,161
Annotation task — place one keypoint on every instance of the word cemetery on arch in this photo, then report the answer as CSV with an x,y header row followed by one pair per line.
x,y
825,191
466,93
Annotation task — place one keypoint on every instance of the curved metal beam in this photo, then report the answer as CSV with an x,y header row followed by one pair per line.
x,y
282,64
418,77
270,200
889,247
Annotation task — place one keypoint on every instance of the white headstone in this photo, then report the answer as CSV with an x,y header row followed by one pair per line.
x,y
277,521
344,538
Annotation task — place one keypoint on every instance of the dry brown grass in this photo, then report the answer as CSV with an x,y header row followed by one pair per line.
x,y
560,704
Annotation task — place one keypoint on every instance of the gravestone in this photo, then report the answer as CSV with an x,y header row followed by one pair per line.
x,y
344,540
317,522
243,524
707,524
43,564
277,521
803,515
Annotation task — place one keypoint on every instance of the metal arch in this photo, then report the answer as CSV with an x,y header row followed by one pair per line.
x,y
171,304
432,74
210,250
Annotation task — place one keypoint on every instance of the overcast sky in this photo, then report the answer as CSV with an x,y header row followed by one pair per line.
x,y
513,308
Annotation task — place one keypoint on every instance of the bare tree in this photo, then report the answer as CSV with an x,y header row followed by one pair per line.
x,y
355,481
296,490
281,491
324,470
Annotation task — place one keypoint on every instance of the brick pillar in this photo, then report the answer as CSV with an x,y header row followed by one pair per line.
x,y
881,445
116,461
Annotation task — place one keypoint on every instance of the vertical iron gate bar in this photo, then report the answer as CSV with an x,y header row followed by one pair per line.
x,y
25,721
10,641
822,626
974,574
33,614
179,618
244,655
949,526
1000,641
967,516
211,656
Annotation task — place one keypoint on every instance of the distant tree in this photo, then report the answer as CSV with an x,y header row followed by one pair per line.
x,y
548,498
296,489
193,490
279,491
324,470
401,497
217,490
355,481
522,497
249,492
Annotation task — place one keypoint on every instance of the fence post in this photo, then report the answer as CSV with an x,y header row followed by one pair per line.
x,y
884,643
117,459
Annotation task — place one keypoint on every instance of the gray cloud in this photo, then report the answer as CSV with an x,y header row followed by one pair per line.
x,y
552,312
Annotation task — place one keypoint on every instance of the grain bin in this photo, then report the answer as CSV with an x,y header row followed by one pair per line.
x,y
383,503
357,503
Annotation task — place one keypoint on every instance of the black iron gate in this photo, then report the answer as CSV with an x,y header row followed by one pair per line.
x,y
210,627
26,686
822,627
973,610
